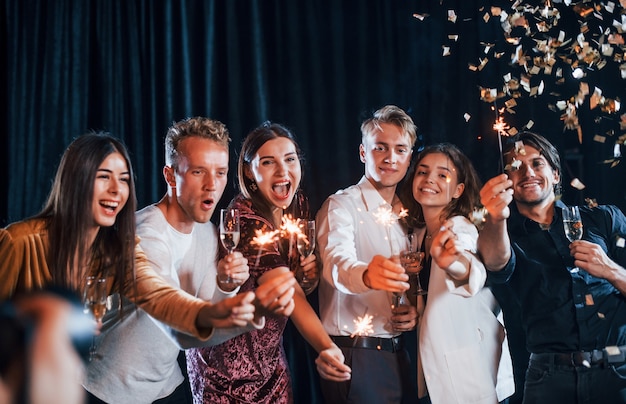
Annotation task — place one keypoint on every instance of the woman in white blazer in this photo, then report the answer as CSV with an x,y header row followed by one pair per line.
x,y
463,351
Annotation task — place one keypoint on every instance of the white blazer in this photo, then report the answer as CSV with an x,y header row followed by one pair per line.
x,y
463,348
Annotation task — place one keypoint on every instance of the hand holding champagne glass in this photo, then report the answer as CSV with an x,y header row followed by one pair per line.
x,y
411,260
229,236
306,246
95,295
573,225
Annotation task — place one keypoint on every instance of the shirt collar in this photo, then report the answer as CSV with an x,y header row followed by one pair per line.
x,y
519,223
370,195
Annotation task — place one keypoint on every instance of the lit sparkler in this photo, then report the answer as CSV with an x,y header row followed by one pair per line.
x,y
291,227
363,326
385,216
261,239
500,126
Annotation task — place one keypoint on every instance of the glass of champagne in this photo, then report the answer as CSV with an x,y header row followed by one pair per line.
x,y
411,260
573,225
95,295
306,246
229,236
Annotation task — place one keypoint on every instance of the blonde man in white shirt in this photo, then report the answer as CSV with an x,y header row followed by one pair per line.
x,y
359,276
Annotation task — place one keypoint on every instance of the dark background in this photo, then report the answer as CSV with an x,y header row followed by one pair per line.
x,y
133,67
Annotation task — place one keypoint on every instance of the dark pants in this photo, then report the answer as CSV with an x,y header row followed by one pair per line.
x,y
377,377
550,383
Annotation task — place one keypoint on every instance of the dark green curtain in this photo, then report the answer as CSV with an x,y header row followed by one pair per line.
x,y
132,67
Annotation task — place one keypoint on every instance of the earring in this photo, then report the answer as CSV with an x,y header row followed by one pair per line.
x,y
253,187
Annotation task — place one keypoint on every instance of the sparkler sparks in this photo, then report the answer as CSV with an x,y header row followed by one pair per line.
x,y
290,227
363,326
384,215
262,239
501,127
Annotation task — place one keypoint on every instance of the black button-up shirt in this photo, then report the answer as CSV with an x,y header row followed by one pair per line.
x,y
565,311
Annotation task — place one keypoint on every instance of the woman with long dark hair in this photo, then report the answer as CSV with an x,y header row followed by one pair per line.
x,y
87,228
253,367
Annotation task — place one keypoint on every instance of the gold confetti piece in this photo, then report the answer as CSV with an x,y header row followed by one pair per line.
x,y
467,117
446,50
589,300
420,17
620,242
609,7
591,203
617,152
578,73
452,16
454,37
576,183
616,39
530,124
599,138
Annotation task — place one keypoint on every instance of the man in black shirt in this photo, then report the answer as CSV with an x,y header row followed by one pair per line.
x,y
572,295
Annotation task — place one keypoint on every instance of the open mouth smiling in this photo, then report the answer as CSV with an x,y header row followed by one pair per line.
x,y
109,206
282,189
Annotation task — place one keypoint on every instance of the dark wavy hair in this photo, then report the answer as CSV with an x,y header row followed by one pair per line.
x,y
69,217
466,174
251,145
543,145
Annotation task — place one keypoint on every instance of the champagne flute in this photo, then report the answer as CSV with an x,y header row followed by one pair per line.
x,y
306,246
229,236
573,225
412,261
95,295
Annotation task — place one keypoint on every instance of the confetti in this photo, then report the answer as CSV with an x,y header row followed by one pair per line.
x,y
576,183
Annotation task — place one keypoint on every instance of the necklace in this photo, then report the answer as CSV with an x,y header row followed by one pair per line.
x,y
544,226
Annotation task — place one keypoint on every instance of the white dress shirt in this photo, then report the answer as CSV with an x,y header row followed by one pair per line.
x,y
349,236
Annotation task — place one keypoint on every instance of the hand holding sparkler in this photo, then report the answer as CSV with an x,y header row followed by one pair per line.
x,y
495,196
330,365
385,274
275,292
448,251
